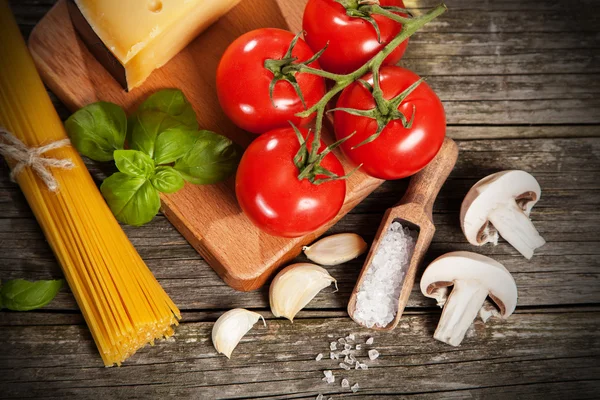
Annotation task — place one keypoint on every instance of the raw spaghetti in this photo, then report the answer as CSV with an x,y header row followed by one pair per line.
x,y
123,304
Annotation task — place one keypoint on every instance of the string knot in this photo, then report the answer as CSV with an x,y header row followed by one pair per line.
x,y
11,147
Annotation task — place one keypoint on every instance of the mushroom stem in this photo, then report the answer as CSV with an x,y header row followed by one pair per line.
x,y
460,311
516,228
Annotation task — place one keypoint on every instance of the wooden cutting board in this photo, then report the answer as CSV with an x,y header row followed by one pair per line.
x,y
208,216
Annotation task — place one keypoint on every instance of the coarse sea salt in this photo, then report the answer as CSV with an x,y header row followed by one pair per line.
x,y
319,357
345,383
373,354
355,388
377,297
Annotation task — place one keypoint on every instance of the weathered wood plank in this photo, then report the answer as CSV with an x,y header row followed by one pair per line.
x,y
279,360
528,62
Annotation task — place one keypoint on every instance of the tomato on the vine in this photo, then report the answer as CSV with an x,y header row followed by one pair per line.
x,y
352,41
244,83
271,195
403,147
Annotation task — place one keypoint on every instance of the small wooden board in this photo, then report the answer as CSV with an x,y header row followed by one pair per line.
x,y
208,216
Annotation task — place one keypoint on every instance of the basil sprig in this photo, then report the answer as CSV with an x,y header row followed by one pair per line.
x,y
22,295
165,150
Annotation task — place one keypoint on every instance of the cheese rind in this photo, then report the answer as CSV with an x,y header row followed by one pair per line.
x,y
145,34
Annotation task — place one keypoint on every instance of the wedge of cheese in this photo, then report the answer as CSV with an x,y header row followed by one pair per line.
x,y
143,35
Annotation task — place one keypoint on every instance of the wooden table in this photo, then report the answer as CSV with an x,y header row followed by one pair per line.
x,y
520,80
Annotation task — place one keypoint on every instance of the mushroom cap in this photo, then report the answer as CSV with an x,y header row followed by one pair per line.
x,y
464,265
491,192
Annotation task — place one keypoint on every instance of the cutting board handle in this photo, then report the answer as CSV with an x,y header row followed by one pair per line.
x,y
426,184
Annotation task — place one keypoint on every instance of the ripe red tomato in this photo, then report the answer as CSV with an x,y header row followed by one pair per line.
x,y
352,41
398,152
243,82
270,194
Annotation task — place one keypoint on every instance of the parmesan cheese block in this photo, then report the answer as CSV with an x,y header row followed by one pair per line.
x,y
145,34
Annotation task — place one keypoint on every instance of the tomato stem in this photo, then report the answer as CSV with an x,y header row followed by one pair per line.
x,y
343,81
409,27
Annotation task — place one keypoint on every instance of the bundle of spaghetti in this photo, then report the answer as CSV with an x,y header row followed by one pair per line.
x,y
122,302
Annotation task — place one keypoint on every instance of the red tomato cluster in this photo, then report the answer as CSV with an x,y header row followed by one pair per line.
x,y
259,86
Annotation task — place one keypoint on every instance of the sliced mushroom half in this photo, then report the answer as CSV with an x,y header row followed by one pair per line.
x,y
501,203
474,277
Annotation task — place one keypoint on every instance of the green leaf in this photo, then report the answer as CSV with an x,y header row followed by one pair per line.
x,y
212,158
167,180
22,295
134,163
133,200
173,144
163,110
97,130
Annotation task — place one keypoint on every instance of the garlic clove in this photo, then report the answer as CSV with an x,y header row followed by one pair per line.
x,y
295,286
231,327
336,249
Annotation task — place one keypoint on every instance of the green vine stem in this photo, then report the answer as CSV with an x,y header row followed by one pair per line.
x,y
409,27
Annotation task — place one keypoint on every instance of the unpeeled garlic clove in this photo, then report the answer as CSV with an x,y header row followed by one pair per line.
x,y
295,286
231,327
336,249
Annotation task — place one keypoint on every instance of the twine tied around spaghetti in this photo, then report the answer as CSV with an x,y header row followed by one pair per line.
x,y
11,147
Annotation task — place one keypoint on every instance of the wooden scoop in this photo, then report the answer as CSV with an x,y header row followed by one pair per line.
x,y
415,212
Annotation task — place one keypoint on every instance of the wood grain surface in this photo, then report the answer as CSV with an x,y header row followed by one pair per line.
x,y
520,81
207,216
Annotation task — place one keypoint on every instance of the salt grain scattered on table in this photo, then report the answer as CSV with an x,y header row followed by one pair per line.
x,y
342,340
320,397
357,365
333,346
350,337
377,297
333,356
347,347
370,340
347,360
344,366
345,352
358,347
355,388
319,357
373,354
364,366
345,383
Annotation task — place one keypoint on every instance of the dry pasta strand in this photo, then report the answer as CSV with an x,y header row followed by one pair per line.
x,y
122,302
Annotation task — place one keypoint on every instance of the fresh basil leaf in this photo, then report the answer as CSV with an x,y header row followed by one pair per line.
x,y
173,144
22,295
163,110
133,200
167,180
134,163
173,103
97,130
212,158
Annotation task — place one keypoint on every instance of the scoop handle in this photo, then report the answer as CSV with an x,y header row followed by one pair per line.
x,y
426,184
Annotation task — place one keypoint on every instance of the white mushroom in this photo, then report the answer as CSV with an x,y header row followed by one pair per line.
x,y
501,203
474,278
